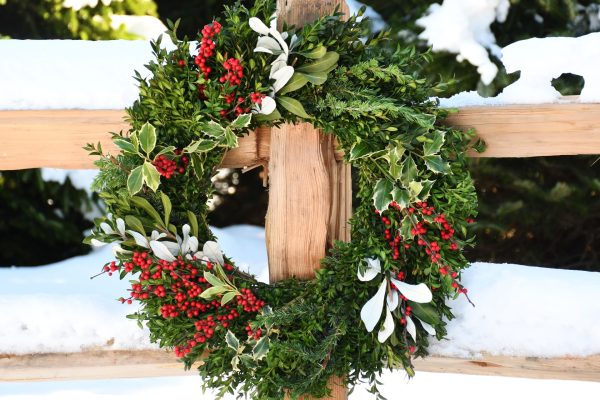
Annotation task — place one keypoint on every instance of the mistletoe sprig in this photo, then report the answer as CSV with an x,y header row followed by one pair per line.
x,y
377,300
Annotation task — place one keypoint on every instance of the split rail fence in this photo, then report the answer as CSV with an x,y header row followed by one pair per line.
x,y
309,206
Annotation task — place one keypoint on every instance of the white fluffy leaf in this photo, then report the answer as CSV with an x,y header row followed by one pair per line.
x,y
97,243
373,269
161,251
212,250
121,226
258,26
267,106
106,228
282,76
392,300
268,43
371,311
275,33
428,328
262,50
411,328
155,235
418,293
388,327
140,239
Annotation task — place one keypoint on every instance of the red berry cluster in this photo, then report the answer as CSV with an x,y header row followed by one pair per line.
x,y
235,72
423,228
207,47
257,97
168,167
177,286
249,301
256,334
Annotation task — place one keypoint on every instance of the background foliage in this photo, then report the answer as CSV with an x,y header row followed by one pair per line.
x,y
520,218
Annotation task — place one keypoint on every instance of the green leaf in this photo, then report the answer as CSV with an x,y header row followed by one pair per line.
x,y
409,171
425,312
316,78
126,146
401,197
193,223
145,205
151,176
436,143
296,82
213,280
382,194
322,64
135,223
213,291
427,185
197,165
166,202
135,141
316,53
232,341
214,129
241,122
231,140
275,115
436,164
415,188
261,348
406,228
227,297
394,156
148,137
135,180
201,146
166,150
293,106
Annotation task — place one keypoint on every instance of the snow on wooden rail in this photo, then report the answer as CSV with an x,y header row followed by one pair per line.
x,y
55,138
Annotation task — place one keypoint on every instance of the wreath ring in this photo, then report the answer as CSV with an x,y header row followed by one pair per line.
x,y
416,199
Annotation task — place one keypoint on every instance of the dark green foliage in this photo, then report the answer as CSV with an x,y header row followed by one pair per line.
x,y
46,216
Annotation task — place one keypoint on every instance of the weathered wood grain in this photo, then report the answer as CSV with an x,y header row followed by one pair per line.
x,y
104,364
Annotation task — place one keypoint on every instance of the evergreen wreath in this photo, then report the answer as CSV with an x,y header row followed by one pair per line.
x,y
377,299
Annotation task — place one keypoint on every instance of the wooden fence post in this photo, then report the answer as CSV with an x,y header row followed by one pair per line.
x,y
309,191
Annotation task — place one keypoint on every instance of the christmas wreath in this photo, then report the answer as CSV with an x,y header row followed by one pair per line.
x,y
377,299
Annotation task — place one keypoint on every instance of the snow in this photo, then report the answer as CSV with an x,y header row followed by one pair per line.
x,y
540,61
77,74
463,27
80,178
523,311
377,22
424,385
144,26
79,4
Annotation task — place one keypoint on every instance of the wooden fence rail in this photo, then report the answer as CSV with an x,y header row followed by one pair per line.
x,y
31,139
